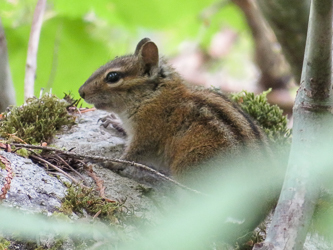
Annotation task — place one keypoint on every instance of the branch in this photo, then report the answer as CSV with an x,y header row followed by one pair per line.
x,y
7,93
317,64
69,166
311,136
275,72
289,21
99,158
30,69
58,169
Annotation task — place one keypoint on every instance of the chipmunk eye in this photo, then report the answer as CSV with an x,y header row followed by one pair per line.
x,y
113,77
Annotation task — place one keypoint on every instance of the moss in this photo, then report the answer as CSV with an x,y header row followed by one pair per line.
x,y
37,121
2,166
269,117
57,244
4,244
78,199
23,152
146,191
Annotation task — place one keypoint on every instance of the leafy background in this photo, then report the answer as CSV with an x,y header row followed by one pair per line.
x,y
79,36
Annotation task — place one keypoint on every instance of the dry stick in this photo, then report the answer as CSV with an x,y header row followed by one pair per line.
x,y
98,213
59,170
70,167
99,182
31,65
99,158
8,178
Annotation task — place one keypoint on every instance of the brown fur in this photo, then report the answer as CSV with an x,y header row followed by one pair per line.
x,y
170,125
183,130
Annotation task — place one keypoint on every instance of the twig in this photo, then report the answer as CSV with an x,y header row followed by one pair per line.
x,y
16,138
99,182
6,147
99,158
30,69
59,170
69,166
8,178
98,213
86,110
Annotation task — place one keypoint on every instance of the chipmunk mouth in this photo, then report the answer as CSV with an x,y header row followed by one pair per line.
x,y
97,104
100,102
102,106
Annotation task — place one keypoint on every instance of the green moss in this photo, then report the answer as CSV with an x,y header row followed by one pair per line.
x,y
78,199
23,152
4,244
37,121
57,244
269,117
146,191
2,166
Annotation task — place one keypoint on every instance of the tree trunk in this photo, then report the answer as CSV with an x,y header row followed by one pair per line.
x,y
289,21
7,93
275,72
31,65
311,133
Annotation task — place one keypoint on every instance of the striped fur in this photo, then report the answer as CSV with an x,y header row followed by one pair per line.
x,y
170,125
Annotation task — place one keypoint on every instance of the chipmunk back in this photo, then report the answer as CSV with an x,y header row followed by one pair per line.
x,y
171,126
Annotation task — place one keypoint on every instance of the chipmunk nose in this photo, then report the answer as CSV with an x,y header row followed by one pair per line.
x,y
81,92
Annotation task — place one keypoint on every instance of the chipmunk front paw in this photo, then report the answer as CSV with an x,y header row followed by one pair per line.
x,y
114,121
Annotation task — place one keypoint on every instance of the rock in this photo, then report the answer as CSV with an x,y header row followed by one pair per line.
x,y
33,190
90,138
31,187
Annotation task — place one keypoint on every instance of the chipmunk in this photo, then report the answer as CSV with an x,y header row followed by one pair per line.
x,y
174,127
170,125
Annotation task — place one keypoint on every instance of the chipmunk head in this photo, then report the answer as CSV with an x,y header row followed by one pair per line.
x,y
125,80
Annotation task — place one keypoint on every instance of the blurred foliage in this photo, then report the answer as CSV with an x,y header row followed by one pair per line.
x,y
37,121
4,244
270,117
323,215
79,36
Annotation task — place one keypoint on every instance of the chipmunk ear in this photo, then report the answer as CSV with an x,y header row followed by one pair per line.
x,y
140,44
148,53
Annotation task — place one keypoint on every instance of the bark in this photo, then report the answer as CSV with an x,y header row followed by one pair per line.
x,y
7,93
311,134
31,65
275,72
289,21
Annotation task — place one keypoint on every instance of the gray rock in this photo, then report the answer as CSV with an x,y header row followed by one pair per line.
x,y
90,138
31,187
34,190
